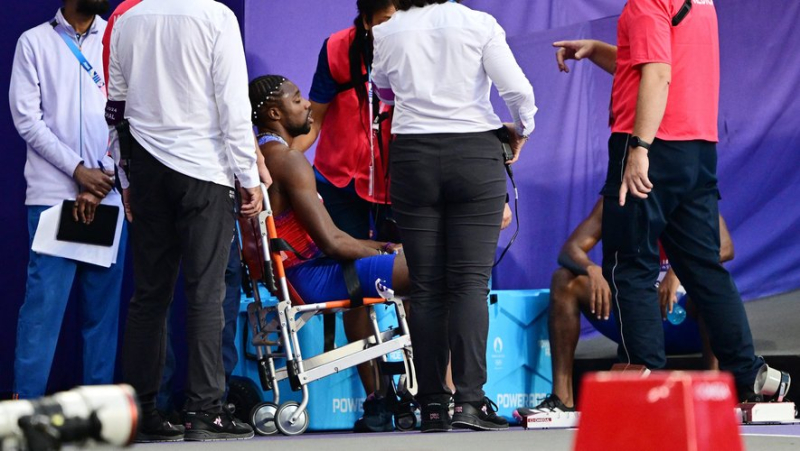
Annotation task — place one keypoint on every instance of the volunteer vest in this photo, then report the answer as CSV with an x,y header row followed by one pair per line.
x,y
343,151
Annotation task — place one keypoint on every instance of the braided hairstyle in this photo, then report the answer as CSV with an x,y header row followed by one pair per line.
x,y
264,90
360,52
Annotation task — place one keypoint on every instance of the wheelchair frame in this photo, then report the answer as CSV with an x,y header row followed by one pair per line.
x,y
275,335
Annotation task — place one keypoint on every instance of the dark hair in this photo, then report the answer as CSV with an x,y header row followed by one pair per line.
x,y
360,52
405,5
264,90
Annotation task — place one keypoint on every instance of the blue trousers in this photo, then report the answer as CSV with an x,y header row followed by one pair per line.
x,y
47,291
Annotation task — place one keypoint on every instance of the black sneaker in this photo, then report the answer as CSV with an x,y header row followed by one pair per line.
x,y
155,428
212,426
550,404
478,416
435,416
377,417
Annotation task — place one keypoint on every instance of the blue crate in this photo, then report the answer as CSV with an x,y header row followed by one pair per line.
x,y
518,363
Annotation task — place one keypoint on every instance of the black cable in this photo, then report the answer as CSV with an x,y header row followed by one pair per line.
x,y
516,214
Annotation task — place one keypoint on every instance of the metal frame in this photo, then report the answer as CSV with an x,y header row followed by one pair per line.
x,y
275,331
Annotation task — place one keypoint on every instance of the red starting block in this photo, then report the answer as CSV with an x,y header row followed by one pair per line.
x,y
672,411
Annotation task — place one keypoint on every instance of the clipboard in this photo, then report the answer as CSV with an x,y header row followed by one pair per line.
x,y
100,232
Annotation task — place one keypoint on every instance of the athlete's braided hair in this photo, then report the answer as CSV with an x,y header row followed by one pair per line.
x,y
263,91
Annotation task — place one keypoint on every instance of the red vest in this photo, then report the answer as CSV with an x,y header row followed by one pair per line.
x,y
343,151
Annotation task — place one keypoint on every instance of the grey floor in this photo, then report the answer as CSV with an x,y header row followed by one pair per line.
x,y
774,324
761,438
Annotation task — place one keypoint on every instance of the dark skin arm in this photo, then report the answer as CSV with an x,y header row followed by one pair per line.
x,y
574,257
295,187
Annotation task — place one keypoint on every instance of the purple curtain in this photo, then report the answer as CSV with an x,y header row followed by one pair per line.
x,y
563,166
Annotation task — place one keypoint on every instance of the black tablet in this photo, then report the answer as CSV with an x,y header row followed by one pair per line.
x,y
100,232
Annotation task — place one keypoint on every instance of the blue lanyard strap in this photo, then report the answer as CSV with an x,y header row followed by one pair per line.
x,y
96,78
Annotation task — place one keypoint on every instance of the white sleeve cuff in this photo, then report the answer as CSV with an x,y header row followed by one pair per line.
x,y
249,179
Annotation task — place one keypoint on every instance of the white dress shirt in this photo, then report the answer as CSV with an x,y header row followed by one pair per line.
x,y
58,109
437,63
180,67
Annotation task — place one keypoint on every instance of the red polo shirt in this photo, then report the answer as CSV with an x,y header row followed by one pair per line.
x,y
645,35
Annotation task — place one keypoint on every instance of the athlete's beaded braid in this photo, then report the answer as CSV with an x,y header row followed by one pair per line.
x,y
264,90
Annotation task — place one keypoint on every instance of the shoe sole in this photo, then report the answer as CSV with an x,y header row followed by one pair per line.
x,y
157,439
436,427
425,431
476,424
206,436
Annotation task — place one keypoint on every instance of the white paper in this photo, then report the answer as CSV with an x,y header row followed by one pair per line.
x,y
45,242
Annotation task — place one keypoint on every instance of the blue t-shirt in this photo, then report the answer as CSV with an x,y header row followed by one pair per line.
x,y
324,88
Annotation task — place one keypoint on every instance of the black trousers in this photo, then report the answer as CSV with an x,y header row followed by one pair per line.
x,y
448,192
177,221
682,211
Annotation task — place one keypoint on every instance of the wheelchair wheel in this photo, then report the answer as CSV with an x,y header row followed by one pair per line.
x,y
284,414
405,421
262,418
244,395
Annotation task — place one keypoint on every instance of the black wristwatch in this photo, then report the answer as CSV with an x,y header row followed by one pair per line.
x,y
635,142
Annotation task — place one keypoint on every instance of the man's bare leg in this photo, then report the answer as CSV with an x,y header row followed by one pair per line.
x,y
569,294
710,361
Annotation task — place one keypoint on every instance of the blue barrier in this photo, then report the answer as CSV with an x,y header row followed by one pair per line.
x,y
517,359
519,369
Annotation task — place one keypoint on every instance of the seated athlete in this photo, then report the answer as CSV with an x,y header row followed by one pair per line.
x,y
579,286
280,114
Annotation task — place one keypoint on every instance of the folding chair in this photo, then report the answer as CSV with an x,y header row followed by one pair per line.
x,y
275,330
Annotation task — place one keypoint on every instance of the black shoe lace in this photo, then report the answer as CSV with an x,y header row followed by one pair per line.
x,y
229,409
550,402
490,404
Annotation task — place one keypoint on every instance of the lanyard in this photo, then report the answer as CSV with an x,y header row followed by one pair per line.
x,y
374,126
96,78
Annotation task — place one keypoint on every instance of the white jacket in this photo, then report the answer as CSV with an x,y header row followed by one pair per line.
x,y
58,110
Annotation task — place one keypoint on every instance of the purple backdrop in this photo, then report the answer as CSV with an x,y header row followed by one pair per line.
x,y
563,165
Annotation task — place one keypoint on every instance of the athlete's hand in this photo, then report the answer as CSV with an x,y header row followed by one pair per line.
x,y
600,297
635,179
572,50
394,248
667,292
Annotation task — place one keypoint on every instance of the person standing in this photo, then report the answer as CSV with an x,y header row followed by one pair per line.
x,y
578,286
191,133
57,107
436,61
662,180
351,156
233,272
